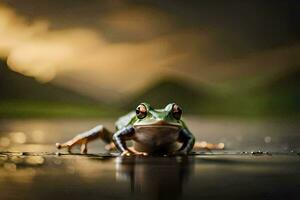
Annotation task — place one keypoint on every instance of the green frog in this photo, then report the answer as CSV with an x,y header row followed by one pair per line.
x,y
152,132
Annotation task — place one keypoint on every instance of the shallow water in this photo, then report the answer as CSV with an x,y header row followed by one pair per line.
x,y
261,162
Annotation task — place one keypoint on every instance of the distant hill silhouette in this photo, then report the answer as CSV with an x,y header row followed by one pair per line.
x,y
169,90
14,86
282,94
279,96
288,82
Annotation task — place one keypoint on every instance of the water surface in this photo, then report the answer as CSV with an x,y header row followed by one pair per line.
x,y
261,162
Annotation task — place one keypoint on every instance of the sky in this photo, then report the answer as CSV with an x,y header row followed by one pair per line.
x,y
115,48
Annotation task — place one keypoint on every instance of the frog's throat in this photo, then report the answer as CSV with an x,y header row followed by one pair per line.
x,y
156,135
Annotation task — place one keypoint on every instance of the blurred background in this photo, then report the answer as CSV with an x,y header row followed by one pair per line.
x,y
69,65
66,66
74,58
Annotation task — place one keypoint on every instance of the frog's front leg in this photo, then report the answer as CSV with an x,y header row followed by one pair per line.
x,y
84,138
187,139
120,138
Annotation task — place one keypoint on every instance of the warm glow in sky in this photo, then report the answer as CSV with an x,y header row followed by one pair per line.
x,y
144,44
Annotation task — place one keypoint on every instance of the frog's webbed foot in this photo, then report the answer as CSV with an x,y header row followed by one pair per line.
x,y
132,152
138,153
208,146
71,143
67,145
84,138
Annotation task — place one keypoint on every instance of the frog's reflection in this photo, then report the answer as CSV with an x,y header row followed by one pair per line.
x,y
155,177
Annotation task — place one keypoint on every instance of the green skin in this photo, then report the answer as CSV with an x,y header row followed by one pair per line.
x,y
159,132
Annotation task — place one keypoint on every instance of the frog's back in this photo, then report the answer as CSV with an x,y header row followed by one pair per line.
x,y
125,120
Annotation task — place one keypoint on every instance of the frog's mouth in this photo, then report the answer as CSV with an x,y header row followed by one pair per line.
x,y
160,123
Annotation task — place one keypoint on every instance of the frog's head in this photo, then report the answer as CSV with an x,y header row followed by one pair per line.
x,y
157,127
168,116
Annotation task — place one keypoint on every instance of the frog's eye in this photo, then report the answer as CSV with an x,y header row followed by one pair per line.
x,y
141,111
176,111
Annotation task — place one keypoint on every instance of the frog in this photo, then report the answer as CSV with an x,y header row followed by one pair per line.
x,y
151,132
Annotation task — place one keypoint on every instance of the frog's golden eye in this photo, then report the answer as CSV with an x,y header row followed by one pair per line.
x,y
141,111
176,111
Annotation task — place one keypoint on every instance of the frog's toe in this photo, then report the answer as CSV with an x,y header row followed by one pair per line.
x,y
134,153
208,146
58,145
138,153
221,146
126,153
141,154
64,145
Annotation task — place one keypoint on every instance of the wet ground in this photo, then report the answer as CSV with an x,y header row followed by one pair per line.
x,y
262,161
